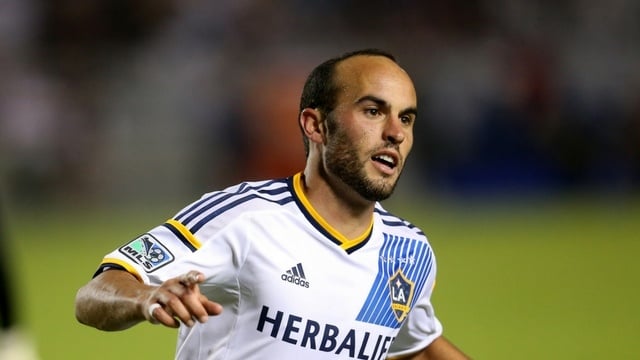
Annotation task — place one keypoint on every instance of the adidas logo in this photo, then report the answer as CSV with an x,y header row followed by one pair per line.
x,y
296,276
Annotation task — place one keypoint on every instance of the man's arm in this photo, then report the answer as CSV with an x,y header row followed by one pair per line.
x,y
116,300
439,349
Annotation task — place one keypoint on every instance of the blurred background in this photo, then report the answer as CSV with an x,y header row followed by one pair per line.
x,y
525,170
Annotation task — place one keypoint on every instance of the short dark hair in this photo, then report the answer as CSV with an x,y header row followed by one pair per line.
x,y
320,89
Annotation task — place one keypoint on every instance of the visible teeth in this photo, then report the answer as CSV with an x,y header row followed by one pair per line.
x,y
386,159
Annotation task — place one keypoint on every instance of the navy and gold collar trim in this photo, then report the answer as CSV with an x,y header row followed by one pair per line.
x,y
349,245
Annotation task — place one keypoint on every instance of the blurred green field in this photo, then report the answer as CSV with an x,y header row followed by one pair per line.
x,y
540,280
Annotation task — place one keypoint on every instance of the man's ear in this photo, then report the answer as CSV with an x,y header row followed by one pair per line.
x,y
312,124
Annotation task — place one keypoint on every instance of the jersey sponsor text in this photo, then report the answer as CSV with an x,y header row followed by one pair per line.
x,y
311,334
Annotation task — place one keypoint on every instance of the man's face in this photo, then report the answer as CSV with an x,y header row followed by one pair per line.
x,y
370,131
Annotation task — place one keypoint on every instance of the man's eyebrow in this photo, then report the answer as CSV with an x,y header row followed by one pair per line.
x,y
372,98
410,111
380,102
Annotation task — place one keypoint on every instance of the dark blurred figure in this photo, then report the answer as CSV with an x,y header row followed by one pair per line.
x,y
631,144
15,344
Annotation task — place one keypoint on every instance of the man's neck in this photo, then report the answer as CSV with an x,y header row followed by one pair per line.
x,y
343,209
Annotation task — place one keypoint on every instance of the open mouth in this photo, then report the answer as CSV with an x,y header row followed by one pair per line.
x,y
385,160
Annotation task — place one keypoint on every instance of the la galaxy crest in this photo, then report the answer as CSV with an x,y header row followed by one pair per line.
x,y
401,291
148,252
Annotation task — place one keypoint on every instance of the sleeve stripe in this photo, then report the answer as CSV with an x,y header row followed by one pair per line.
x,y
117,263
183,234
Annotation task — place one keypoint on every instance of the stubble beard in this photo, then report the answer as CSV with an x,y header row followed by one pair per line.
x,y
342,160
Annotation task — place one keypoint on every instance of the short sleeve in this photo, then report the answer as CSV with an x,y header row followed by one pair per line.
x,y
420,329
148,253
421,326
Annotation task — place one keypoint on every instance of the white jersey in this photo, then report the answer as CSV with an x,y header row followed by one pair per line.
x,y
292,287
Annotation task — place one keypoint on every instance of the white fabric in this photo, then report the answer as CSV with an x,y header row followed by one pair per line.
x,y
291,286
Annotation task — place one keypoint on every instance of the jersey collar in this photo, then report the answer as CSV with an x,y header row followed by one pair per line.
x,y
349,245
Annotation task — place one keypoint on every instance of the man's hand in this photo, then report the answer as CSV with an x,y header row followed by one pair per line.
x,y
179,300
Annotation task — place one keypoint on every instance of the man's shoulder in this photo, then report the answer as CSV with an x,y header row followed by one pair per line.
x,y
272,191
397,223
268,190
224,205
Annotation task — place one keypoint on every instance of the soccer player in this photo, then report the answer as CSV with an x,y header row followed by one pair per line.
x,y
305,267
